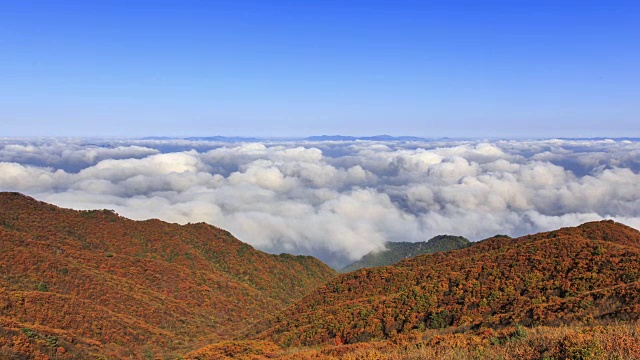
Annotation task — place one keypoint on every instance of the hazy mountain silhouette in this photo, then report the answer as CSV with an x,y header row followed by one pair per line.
x,y
396,251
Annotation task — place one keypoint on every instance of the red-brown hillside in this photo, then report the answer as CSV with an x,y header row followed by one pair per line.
x,y
75,283
572,275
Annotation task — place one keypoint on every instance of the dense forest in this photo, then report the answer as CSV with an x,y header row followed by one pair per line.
x,y
572,293
396,251
572,275
92,284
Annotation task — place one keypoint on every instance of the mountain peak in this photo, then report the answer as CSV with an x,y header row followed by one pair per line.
x,y
12,195
609,230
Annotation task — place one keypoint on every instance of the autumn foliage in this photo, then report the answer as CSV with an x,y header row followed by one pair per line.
x,y
571,276
91,284
88,283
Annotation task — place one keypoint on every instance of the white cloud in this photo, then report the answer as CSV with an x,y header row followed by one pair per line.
x,y
336,200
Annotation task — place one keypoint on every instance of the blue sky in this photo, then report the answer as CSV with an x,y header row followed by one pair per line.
x,y
294,68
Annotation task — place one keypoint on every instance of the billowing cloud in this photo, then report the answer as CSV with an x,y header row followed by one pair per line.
x,y
336,200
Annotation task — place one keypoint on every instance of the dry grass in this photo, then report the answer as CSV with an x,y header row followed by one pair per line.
x,y
610,341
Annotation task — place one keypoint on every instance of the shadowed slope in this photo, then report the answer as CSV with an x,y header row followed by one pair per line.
x,y
396,251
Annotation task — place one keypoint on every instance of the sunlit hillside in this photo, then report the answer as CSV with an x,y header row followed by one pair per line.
x,y
572,275
75,283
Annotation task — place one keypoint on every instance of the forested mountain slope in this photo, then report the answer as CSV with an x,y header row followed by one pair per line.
x,y
83,283
396,251
568,276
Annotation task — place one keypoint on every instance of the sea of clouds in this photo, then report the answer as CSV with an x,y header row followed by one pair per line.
x,y
336,200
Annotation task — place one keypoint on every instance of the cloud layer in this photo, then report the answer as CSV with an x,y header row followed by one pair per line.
x,y
336,200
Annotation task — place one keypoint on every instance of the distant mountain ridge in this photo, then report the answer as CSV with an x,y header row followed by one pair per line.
x,y
396,251
236,139
226,139
347,138
364,138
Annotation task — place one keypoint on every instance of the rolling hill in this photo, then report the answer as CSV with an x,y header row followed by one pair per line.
x,y
396,251
92,284
81,284
572,276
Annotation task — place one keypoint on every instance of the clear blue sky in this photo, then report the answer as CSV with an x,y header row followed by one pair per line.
x,y
473,68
